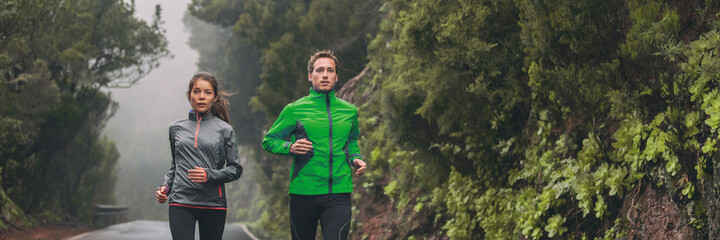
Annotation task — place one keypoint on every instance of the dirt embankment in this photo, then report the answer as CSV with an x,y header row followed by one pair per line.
x,y
654,215
647,212
380,219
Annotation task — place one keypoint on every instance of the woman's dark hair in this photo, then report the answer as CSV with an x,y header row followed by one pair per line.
x,y
219,107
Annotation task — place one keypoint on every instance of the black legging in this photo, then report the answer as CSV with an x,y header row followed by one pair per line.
x,y
333,210
211,223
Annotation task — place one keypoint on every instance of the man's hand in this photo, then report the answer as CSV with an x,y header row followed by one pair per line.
x,y
361,166
197,175
301,146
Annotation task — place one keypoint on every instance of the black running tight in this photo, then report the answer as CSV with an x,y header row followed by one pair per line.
x,y
333,211
211,223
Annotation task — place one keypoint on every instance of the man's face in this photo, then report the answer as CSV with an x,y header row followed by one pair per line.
x,y
323,77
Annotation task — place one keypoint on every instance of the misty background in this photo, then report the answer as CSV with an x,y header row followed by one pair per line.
x,y
140,125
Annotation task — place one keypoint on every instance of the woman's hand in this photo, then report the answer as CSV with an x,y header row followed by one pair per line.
x,y
197,175
301,146
361,166
161,194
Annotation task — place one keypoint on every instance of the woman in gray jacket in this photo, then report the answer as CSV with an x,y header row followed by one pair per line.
x,y
204,157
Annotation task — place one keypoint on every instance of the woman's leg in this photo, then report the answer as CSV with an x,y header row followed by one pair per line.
x,y
335,217
211,223
182,223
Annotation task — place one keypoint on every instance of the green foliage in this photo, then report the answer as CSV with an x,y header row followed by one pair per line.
x,y
602,114
55,58
11,214
554,226
448,105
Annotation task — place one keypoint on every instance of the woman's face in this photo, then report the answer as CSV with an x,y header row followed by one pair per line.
x,y
323,76
202,96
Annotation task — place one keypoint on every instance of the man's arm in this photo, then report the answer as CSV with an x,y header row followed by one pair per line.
x,y
274,140
353,149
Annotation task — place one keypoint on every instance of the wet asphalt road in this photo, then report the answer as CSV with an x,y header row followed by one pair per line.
x,y
154,230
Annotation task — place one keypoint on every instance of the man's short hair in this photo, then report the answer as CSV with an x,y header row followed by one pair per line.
x,y
321,54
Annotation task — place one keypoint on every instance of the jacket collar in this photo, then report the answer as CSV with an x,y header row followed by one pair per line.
x,y
204,116
314,94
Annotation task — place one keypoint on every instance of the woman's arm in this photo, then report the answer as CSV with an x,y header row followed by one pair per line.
x,y
164,188
232,170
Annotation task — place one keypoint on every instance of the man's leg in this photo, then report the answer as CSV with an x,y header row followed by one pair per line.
x,y
335,217
304,214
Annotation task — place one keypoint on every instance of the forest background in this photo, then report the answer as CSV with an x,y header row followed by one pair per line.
x,y
479,119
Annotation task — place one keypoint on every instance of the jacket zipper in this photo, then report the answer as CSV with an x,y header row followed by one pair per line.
x,y
198,128
330,140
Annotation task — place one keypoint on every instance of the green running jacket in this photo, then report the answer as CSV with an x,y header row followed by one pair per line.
x,y
331,124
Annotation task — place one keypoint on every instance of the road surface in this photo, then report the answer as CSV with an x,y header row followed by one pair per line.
x,y
155,230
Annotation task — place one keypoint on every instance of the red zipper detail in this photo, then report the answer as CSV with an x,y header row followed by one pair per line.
x,y
197,129
219,190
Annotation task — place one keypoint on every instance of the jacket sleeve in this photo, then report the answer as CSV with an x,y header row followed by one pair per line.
x,y
232,169
170,176
353,149
274,140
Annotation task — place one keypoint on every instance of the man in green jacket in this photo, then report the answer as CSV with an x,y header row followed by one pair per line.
x,y
323,134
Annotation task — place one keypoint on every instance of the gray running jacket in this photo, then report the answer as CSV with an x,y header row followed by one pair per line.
x,y
205,141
